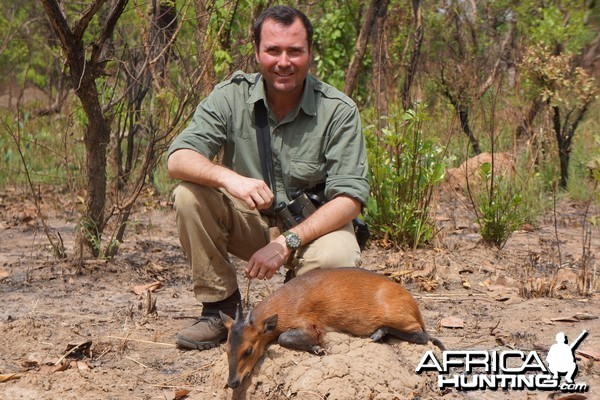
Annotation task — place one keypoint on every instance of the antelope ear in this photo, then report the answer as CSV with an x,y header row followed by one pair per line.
x,y
239,312
269,324
227,320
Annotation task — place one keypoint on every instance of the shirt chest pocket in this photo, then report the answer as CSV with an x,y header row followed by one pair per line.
x,y
306,173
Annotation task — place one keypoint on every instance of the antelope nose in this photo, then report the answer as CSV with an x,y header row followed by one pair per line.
x,y
233,384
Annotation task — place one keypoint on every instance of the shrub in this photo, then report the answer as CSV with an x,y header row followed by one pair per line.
x,y
404,170
498,207
504,202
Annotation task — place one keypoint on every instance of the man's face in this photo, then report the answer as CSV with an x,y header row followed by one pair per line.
x,y
284,57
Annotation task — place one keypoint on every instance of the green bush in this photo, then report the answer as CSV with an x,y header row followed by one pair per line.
x,y
404,170
504,202
498,207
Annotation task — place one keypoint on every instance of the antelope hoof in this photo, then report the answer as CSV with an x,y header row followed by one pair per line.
x,y
379,333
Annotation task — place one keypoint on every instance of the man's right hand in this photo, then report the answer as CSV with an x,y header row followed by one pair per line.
x,y
191,166
254,192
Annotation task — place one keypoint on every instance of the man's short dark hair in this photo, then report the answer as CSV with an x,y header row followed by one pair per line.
x,y
285,15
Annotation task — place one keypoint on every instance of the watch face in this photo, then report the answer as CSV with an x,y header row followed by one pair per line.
x,y
292,240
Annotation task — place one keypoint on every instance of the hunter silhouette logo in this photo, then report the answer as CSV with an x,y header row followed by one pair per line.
x,y
561,357
508,370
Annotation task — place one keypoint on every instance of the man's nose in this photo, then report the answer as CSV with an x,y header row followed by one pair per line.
x,y
284,60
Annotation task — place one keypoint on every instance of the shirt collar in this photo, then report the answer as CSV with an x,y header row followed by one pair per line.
x,y
308,101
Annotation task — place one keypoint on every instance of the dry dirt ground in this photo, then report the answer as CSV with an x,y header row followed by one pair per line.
x,y
71,330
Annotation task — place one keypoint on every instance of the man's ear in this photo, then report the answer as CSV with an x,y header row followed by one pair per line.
x,y
269,324
227,320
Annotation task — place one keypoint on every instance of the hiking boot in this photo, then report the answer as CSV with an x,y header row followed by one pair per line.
x,y
205,334
209,330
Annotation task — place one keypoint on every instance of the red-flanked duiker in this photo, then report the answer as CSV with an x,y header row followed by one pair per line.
x,y
350,300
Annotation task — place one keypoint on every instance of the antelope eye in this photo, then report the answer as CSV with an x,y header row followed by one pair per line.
x,y
248,351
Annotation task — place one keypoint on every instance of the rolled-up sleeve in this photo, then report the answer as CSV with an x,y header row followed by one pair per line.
x,y
207,131
346,156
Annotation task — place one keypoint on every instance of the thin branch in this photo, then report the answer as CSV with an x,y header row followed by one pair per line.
x,y
55,240
108,29
556,228
113,18
503,48
86,17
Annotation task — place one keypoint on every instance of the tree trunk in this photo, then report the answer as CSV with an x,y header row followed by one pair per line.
x,y
379,70
162,33
204,53
83,73
564,150
96,140
462,110
361,45
565,132
411,68
564,157
524,128
463,116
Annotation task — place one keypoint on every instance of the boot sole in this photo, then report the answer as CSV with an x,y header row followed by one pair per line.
x,y
187,344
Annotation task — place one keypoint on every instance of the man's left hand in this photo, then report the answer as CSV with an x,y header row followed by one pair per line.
x,y
266,262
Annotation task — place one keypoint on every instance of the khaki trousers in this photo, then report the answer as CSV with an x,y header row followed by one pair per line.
x,y
213,224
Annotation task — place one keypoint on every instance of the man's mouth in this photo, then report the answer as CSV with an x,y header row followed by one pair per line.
x,y
284,74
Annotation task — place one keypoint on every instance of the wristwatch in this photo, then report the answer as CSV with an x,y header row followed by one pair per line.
x,y
292,240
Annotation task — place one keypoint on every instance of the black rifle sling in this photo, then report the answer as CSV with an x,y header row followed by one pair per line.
x,y
263,139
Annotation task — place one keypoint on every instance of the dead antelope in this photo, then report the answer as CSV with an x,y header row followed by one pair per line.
x,y
297,315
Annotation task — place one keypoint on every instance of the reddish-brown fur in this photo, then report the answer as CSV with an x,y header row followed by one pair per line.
x,y
349,300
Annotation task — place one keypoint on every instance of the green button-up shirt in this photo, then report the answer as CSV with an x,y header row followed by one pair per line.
x,y
320,141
